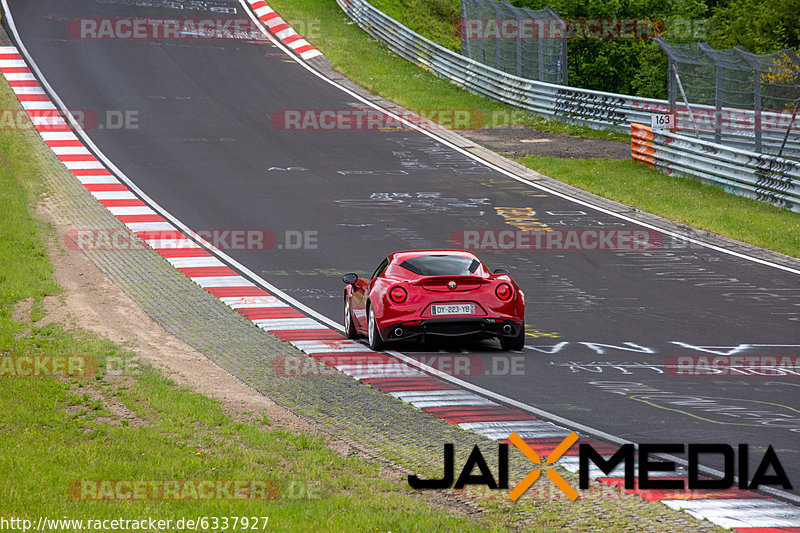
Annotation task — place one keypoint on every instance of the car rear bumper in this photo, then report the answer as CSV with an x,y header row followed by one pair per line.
x,y
452,327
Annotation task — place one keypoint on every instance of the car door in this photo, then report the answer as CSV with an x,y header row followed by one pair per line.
x,y
361,294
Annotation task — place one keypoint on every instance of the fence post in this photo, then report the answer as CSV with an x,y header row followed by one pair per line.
x,y
673,108
792,55
705,47
465,41
481,53
563,60
498,42
756,66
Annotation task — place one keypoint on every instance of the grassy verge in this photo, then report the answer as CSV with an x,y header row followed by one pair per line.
x,y
684,200
367,62
373,66
67,440
436,20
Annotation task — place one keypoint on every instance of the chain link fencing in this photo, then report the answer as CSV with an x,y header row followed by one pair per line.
x,y
736,98
528,43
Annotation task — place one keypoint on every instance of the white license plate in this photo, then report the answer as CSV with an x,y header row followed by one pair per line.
x,y
453,309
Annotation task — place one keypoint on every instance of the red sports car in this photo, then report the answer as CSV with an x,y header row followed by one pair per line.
x,y
446,293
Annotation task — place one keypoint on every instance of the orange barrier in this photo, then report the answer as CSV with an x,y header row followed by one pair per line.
x,y
641,144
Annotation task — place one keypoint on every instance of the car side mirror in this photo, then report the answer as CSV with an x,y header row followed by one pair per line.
x,y
350,278
500,271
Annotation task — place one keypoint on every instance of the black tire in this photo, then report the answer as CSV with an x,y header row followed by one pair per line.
x,y
374,338
515,343
349,325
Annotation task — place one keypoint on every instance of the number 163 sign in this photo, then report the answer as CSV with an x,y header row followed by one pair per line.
x,y
662,122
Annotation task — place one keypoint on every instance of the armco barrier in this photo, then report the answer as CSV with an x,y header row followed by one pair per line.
x,y
758,176
595,109
592,108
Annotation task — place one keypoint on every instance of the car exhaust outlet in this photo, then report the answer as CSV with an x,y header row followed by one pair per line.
x,y
398,332
507,328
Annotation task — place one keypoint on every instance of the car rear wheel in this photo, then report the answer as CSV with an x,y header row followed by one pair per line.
x,y
517,342
374,336
349,326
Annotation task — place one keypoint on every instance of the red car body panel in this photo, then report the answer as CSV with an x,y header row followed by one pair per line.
x,y
491,313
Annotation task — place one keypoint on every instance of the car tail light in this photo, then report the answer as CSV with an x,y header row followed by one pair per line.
x,y
398,294
412,323
503,291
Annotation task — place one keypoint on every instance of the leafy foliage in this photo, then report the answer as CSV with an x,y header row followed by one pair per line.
x,y
630,66
761,26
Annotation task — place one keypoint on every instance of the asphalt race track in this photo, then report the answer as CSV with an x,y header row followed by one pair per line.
x,y
605,327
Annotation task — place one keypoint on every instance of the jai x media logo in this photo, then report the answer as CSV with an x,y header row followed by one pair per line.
x,y
770,471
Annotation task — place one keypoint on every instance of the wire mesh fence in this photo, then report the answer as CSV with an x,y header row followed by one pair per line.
x,y
733,97
524,42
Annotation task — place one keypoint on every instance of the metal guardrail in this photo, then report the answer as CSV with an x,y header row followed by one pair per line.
x,y
755,96
759,176
596,109
592,108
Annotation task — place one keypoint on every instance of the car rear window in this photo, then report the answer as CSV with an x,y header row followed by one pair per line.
x,y
441,265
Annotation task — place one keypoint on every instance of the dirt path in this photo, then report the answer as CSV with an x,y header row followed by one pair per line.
x,y
517,141
91,301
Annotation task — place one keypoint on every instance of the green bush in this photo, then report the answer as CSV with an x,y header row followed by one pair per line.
x,y
636,67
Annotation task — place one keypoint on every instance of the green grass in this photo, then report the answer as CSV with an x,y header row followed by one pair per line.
x,y
56,432
684,200
47,448
436,20
367,62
